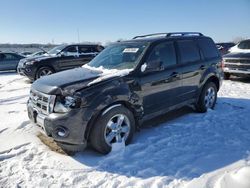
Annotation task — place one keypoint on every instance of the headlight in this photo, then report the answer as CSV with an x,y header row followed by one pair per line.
x,y
29,62
65,104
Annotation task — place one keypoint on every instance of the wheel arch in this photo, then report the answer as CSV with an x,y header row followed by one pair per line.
x,y
104,110
44,66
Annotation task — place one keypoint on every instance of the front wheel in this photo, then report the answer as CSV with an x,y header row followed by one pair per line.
x,y
208,97
116,125
44,71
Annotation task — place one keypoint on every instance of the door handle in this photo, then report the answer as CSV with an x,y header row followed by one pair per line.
x,y
202,67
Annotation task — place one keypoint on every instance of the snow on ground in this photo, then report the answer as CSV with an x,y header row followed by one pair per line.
x,y
180,149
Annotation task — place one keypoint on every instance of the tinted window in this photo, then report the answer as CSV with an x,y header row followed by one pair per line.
x,y
85,49
9,57
164,52
244,44
71,49
188,51
208,48
2,56
99,48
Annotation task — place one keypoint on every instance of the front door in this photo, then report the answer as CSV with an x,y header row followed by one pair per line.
x,y
69,58
160,89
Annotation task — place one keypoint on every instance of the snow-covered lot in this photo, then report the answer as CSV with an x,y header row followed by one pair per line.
x,y
191,150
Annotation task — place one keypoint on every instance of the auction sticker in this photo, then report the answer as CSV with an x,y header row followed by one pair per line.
x,y
130,50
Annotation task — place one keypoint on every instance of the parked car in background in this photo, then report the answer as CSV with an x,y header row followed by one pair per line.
x,y
60,58
26,54
237,64
39,53
224,47
129,82
243,46
9,61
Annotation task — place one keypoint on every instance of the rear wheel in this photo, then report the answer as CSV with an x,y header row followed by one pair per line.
x,y
44,71
116,125
207,97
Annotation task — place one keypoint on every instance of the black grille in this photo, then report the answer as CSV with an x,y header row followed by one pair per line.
x,y
40,101
240,64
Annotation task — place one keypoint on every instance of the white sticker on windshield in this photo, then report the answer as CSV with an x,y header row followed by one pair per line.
x,y
130,50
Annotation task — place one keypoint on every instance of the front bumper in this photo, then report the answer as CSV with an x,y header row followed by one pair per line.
x,y
237,71
27,71
68,128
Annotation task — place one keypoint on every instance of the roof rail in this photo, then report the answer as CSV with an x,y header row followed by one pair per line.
x,y
173,34
150,35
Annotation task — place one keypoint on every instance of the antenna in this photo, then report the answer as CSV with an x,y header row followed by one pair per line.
x,y
78,35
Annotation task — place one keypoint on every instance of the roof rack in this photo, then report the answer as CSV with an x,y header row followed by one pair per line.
x,y
173,34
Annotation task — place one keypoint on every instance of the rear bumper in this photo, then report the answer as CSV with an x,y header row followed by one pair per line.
x,y
68,128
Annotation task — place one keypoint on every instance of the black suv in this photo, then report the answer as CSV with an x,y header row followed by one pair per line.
x,y
60,58
105,101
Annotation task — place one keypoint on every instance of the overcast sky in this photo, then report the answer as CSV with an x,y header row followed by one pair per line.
x,y
58,21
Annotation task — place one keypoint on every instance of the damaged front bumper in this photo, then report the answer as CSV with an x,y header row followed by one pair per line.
x,y
66,128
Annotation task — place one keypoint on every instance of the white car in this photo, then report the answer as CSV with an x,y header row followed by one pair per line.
x,y
243,46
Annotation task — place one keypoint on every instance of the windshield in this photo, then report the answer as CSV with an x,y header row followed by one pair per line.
x,y
244,44
56,50
119,56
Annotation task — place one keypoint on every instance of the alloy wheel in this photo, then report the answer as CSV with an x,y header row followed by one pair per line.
x,y
117,129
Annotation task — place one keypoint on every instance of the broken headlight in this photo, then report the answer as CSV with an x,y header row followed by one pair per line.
x,y
65,104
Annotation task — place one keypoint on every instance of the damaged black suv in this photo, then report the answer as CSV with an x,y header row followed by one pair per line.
x,y
106,100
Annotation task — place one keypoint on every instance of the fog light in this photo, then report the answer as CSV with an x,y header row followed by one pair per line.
x,y
28,70
61,132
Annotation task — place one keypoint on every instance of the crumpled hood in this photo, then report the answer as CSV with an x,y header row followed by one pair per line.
x,y
71,80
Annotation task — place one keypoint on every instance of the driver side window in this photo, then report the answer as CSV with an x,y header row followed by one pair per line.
x,y
2,56
71,51
165,53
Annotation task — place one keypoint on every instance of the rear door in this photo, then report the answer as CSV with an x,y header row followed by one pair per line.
x,y
86,53
159,89
192,68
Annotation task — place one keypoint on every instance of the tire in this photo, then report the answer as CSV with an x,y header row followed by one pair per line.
x,y
44,71
105,131
227,76
207,98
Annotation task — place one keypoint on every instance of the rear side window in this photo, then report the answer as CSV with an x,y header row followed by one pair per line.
x,y
85,49
208,48
71,49
164,52
188,51
9,57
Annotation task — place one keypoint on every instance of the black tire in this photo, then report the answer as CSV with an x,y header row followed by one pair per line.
x,y
227,76
97,135
201,105
42,72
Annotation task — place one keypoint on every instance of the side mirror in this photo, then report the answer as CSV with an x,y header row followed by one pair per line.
x,y
61,54
152,66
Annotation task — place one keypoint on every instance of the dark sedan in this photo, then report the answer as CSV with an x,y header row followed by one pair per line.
x,y
9,61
